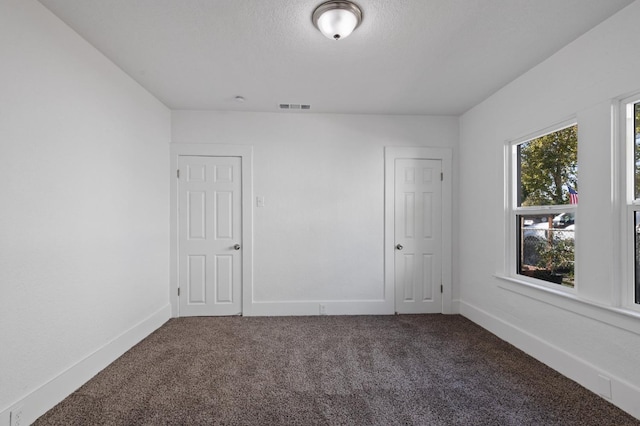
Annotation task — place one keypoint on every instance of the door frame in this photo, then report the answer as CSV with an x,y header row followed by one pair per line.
x,y
245,152
445,155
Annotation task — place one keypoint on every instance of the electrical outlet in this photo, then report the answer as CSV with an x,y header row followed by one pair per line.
x,y
16,417
323,309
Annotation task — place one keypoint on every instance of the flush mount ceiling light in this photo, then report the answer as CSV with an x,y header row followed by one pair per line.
x,y
337,19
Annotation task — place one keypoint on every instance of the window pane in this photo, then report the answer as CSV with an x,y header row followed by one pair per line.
x,y
546,247
636,150
547,168
637,257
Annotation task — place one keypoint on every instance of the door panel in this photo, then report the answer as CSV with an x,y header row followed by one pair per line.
x,y
196,278
209,227
196,215
418,236
224,279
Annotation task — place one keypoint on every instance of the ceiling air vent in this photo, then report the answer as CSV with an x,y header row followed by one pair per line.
x,y
294,106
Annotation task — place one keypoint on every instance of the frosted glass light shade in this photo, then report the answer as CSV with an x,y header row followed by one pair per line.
x,y
337,19
337,23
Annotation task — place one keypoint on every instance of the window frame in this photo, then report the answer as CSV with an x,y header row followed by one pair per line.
x,y
630,204
512,211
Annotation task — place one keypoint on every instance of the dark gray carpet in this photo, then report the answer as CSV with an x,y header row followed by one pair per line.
x,y
366,370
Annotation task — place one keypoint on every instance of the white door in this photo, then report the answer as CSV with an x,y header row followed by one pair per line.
x,y
209,235
418,236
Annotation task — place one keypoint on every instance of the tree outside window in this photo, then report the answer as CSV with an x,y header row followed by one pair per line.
x,y
548,165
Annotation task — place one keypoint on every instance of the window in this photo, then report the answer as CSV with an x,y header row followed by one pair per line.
x,y
632,130
543,202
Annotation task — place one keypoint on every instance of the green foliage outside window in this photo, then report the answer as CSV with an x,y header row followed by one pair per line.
x,y
636,123
548,164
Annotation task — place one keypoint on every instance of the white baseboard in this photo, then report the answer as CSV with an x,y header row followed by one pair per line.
x,y
42,399
304,308
623,394
332,307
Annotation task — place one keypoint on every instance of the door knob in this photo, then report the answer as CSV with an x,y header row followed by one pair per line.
x,y
399,247
236,247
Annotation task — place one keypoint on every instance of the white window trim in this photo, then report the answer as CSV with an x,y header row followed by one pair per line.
x,y
622,318
623,313
628,203
511,211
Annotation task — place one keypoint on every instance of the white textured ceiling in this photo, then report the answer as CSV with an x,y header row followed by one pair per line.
x,y
407,57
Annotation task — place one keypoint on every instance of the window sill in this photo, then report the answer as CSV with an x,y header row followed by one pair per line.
x,y
625,319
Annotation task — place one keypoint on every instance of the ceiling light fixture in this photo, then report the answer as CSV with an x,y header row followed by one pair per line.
x,y
337,19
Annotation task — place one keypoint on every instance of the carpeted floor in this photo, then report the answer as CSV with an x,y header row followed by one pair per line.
x,y
365,370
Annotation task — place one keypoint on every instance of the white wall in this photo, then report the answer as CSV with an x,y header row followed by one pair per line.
x,y
320,235
84,221
582,80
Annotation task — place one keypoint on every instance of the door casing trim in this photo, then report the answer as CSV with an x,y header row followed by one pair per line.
x,y
245,152
423,153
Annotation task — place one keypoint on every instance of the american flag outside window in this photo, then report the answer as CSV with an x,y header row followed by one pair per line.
x,y
573,195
